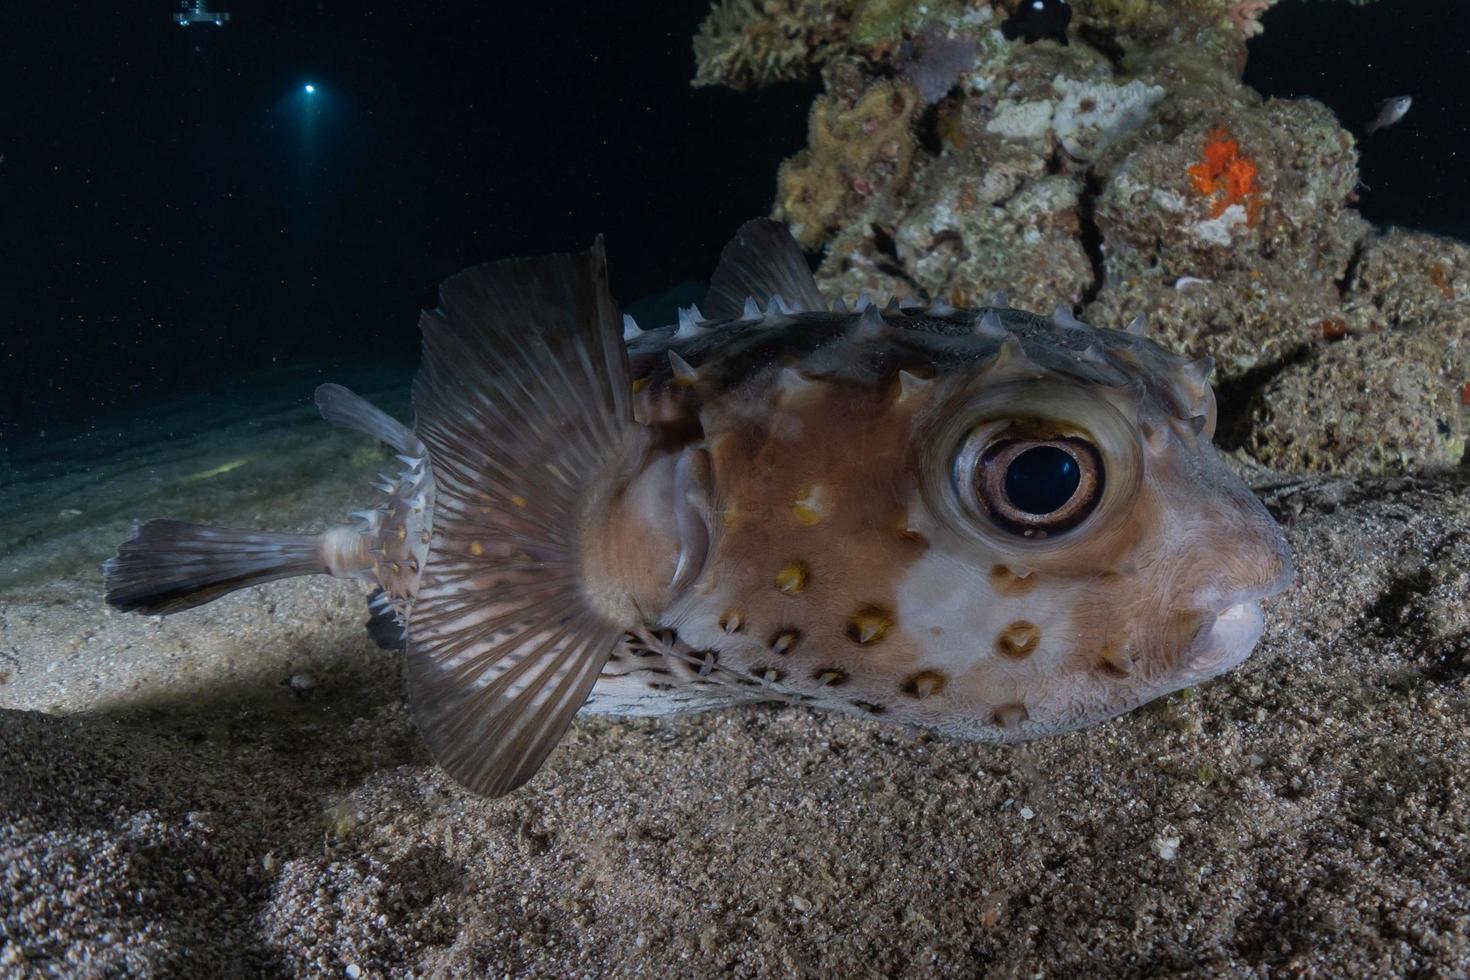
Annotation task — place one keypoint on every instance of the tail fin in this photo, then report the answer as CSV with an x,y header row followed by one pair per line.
x,y
523,400
169,566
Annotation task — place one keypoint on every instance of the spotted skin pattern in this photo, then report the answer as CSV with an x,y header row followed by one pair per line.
x,y
832,578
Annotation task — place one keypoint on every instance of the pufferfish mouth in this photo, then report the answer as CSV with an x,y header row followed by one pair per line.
x,y
1227,641
1229,637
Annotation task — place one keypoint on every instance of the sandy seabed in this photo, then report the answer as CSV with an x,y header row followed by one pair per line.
x,y
238,790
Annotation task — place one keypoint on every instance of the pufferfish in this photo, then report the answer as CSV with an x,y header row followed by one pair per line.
x,y
983,522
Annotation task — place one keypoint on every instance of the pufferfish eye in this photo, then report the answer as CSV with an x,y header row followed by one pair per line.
x,y
1036,487
1032,470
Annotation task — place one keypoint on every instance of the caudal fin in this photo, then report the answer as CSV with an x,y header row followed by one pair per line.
x,y
169,566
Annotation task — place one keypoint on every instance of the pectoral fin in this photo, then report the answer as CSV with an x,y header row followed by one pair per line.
x,y
523,400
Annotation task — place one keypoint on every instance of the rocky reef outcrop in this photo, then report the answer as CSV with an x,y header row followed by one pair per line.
x,y
1121,167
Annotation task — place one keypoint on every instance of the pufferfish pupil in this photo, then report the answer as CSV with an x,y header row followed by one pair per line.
x,y
1036,486
1042,479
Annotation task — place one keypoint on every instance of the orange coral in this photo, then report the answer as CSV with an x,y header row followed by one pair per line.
x,y
1226,175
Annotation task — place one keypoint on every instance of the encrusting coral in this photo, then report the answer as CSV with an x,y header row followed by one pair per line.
x,y
746,43
1226,176
857,148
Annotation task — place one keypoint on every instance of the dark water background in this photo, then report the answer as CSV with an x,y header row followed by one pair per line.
x,y
178,216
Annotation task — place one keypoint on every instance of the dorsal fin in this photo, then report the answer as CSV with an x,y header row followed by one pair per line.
x,y
523,398
345,408
762,261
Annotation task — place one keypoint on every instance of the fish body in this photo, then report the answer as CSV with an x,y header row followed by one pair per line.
x,y
1389,112
1036,20
985,522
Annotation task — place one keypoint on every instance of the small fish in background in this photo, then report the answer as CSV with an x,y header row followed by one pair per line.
x,y
1036,20
989,523
1390,111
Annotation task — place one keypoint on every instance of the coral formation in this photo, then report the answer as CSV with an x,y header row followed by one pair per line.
x,y
860,145
1131,172
884,22
1246,15
746,43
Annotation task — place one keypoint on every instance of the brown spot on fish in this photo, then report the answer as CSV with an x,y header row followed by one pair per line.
x,y
1007,583
1010,716
793,577
476,548
732,622
1115,662
913,537
518,500
924,684
869,625
640,383
830,677
784,641
767,675
1018,639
